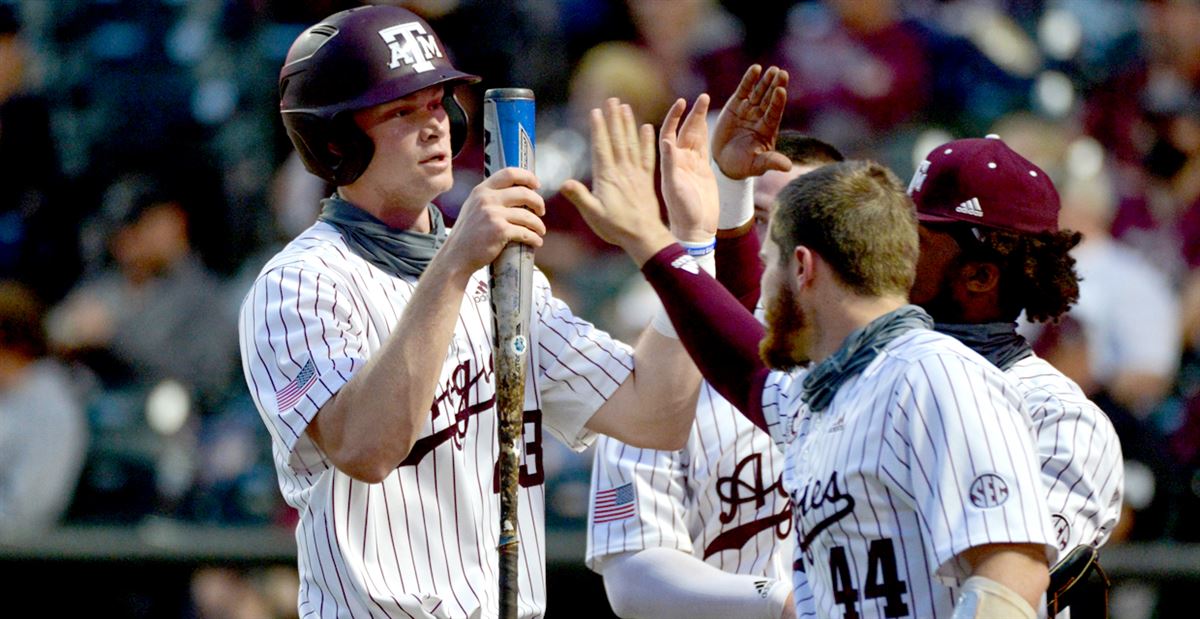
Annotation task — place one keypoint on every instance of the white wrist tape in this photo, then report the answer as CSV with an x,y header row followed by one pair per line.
x,y
982,598
736,199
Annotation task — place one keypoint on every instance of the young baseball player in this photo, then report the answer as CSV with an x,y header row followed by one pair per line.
x,y
908,457
705,532
367,341
990,249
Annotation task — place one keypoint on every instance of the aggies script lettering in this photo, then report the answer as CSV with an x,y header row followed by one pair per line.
x,y
736,490
457,390
811,497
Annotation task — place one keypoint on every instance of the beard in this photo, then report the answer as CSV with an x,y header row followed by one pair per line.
x,y
941,304
788,340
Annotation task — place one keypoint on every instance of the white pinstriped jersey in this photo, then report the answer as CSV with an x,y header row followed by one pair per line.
x,y
924,454
1079,454
719,498
422,543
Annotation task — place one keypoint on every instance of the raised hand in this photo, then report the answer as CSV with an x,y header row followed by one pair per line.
x,y
689,186
743,141
621,207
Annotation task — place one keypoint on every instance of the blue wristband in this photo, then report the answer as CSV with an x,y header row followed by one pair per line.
x,y
702,248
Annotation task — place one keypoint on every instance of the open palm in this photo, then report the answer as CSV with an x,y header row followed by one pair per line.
x,y
743,140
689,186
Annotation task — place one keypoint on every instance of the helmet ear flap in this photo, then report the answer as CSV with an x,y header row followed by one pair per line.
x,y
333,149
458,121
310,135
350,148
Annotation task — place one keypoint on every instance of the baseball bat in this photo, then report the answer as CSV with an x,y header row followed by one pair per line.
x,y
508,138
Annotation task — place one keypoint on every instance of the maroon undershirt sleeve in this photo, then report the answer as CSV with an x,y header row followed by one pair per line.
x,y
719,333
739,268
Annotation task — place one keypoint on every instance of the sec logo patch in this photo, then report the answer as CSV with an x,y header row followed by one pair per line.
x,y
988,490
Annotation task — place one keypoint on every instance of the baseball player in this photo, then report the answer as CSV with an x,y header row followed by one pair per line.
x,y
806,154
986,214
746,205
367,341
990,249
908,457
704,531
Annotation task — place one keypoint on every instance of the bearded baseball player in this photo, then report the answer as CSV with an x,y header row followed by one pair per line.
x,y
367,341
705,532
908,457
990,249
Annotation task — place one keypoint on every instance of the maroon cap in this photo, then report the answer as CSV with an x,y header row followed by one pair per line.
x,y
982,181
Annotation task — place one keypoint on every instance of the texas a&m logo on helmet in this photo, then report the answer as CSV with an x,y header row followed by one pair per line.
x,y
412,45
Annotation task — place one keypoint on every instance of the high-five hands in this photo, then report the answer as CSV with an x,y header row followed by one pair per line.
x,y
743,140
689,185
622,207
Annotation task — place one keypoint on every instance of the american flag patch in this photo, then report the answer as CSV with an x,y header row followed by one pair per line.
x,y
287,397
615,503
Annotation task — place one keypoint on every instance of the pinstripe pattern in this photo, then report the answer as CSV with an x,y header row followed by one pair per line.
x,y
1078,451
422,542
899,474
680,494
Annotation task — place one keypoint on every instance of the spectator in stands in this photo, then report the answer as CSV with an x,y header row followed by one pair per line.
x,y
1128,310
43,430
37,239
222,592
674,34
583,268
1148,116
857,69
154,312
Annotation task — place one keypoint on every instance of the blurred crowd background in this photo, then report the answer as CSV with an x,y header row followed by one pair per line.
x,y
146,178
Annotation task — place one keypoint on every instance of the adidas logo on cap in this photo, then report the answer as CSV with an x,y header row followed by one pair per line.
x,y
959,176
970,207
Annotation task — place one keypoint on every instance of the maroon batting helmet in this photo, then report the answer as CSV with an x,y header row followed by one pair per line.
x,y
353,60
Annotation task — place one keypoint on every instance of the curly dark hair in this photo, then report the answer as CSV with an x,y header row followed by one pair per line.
x,y
1037,272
